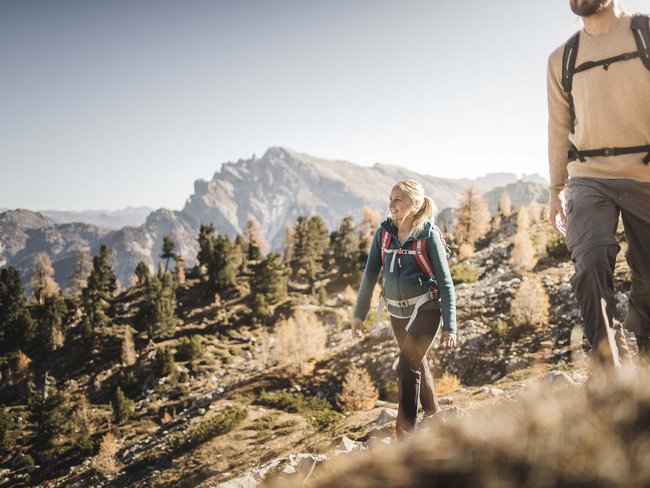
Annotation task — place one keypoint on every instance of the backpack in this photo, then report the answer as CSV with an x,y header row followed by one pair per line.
x,y
418,251
641,31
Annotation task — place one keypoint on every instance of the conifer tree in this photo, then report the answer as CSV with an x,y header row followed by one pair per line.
x,y
287,254
179,270
77,280
240,253
157,312
523,252
142,273
7,426
311,239
256,242
505,205
165,364
345,246
367,227
99,291
128,354
122,407
42,282
223,272
473,218
50,411
16,324
49,323
206,245
168,250
269,284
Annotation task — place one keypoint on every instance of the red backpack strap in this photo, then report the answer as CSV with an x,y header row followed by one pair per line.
x,y
385,242
420,248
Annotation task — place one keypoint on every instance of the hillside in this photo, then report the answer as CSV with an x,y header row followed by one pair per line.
x,y
239,408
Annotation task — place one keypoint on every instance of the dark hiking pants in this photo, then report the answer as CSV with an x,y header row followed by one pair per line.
x,y
593,209
415,380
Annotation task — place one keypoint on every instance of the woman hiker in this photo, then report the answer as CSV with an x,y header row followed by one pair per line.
x,y
418,291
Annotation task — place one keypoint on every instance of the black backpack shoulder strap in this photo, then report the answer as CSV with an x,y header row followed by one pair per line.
x,y
641,29
568,68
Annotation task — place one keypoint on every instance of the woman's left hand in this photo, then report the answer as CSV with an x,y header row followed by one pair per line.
x,y
448,340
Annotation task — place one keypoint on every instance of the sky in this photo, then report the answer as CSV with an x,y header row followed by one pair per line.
x,y
106,104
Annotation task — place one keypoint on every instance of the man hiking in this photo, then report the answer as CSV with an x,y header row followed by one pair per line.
x,y
599,148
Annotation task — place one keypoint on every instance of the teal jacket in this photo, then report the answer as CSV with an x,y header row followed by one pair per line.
x,y
407,279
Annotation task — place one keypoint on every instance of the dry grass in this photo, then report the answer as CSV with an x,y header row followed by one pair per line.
x,y
447,384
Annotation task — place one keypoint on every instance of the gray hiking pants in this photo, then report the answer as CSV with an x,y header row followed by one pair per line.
x,y
592,214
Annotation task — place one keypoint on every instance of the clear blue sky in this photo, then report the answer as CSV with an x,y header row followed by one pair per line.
x,y
109,103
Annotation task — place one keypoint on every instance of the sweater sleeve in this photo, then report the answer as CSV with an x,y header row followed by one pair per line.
x,y
370,275
558,123
437,255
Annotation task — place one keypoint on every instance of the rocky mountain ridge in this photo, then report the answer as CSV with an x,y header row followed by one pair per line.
x,y
275,189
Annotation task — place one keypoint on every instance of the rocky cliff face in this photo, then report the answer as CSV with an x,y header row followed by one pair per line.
x,y
275,189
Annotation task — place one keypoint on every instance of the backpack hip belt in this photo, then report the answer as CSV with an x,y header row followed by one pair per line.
x,y
576,154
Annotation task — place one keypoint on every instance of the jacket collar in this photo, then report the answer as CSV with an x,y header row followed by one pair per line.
x,y
391,228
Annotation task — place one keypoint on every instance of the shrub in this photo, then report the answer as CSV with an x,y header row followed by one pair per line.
x,y
7,426
190,348
165,364
284,400
530,304
207,429
359,392
300,339
499,327
122,407
105,462
324,418
523,252
464,273
465,251
447,384
556,248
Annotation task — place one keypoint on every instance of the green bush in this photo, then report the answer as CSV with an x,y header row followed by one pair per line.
x,y
556,248
190,348
499,327
464,273
324,418
165,364
283,400
207,429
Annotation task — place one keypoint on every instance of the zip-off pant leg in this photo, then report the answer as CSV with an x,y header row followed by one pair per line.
x,y
634,201
592,218
413,367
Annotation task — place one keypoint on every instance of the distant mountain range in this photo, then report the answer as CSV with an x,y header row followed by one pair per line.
x,y
109,219
275,189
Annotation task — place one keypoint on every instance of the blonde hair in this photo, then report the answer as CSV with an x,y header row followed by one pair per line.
x,y
424,206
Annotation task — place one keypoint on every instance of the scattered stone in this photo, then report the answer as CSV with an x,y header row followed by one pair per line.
x,y
246,481
386,415
558,379
496,391
445,401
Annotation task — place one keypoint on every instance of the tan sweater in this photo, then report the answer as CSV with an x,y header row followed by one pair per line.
x,y
612,110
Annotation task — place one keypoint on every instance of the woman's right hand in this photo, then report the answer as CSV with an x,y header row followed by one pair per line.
x,y
357,327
